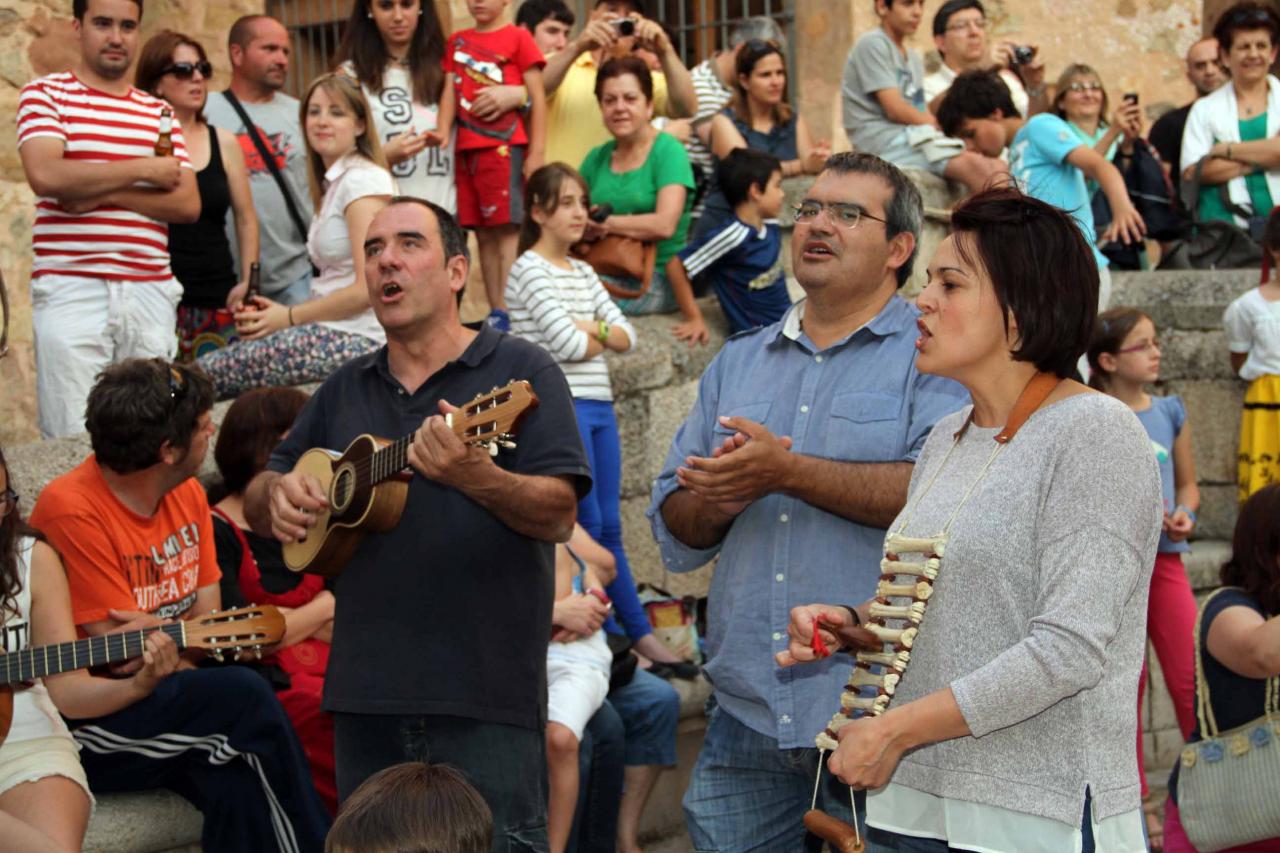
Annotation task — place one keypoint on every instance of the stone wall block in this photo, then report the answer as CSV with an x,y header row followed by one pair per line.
x,y
668,409
1198,354
1204,561
1213,412
1218,509
633,427
645,560
1182,299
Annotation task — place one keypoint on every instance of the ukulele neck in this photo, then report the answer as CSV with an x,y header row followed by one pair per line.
x,y
40,661
389,461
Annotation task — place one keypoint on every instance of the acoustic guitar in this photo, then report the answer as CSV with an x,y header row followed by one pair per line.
x,y
368,482
244,630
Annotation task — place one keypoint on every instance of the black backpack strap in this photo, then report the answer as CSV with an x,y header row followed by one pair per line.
x,y
270,160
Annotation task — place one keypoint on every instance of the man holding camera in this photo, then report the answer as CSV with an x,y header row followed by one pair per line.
x,y
960,34
615,28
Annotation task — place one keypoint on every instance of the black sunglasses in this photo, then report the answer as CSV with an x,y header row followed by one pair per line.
x,y
761,45
187,70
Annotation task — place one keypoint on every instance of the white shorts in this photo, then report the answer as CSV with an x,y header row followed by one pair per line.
x,y
575,691
83,325
40,758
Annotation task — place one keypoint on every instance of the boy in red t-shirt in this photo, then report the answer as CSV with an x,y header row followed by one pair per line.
x,y
496,152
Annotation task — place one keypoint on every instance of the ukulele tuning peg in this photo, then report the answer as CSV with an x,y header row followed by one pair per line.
x,y
217,655
493,447
257,652
507,445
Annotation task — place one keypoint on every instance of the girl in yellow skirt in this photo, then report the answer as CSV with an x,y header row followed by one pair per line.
x,y
1252,324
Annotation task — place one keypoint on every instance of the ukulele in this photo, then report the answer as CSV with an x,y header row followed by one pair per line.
x,y
368,483
246,629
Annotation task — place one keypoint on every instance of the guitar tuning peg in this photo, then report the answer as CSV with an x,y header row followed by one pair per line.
x,y
493,447
507,445
257,652
217,655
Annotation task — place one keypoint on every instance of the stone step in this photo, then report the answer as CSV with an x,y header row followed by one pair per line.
x,y
1204,562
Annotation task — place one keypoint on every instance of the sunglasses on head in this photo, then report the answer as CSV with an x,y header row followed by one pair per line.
x,y
187,70
761,45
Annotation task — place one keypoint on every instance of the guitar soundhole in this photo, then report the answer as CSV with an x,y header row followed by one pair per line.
x,y
343,489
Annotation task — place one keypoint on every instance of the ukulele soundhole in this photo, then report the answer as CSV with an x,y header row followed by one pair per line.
x,y
344,488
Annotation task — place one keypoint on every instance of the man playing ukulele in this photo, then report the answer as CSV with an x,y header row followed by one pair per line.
x,y
440,632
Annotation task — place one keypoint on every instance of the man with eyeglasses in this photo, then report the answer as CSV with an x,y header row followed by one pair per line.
x,y
1206,75
960,34
132,526
794,459
258,49
101,285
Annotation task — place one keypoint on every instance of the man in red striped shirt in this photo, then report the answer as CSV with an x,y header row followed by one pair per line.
x,y
101,286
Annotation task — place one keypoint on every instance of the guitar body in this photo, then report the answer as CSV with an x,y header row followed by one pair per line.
x,y
354,506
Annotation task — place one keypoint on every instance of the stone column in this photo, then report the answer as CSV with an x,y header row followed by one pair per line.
x,y
823,36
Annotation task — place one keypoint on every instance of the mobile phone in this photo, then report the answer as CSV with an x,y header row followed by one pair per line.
x,y
600,212
1131,97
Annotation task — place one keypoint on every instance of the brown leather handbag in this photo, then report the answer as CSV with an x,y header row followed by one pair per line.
x,y
621,257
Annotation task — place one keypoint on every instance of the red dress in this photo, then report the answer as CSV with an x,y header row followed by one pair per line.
x,y
304,662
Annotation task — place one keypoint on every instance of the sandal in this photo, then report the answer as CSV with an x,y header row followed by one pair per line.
x,y
1155,826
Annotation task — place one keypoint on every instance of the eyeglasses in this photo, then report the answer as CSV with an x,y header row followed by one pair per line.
x,y
1145,346
1243,16
8,500
844,213
1084,87
979,24
187,70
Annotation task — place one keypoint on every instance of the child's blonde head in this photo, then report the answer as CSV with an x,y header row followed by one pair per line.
x,y
426,808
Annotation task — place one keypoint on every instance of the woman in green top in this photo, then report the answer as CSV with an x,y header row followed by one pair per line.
x,y
1082,102
645,177
1236,127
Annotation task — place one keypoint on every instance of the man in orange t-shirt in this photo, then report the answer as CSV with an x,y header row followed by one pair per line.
x,y
133,528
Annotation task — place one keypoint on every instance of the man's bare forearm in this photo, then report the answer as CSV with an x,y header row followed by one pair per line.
x,y
539,507
870,493
257,502
695,522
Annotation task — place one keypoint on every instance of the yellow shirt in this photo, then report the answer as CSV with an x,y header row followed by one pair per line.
x,y
574,122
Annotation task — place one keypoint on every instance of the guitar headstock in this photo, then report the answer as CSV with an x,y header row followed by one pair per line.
x,y
492,419
243,630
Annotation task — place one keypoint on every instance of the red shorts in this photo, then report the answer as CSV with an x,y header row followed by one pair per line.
x,y
490,186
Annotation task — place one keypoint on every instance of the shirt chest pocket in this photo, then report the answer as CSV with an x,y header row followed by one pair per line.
x,y
757,412
865,427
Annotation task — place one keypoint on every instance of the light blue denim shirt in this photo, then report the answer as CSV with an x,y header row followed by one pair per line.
x,y
859,400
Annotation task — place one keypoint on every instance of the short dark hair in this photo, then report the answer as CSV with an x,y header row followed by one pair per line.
x,y
946,10
622,65
905,211
251,429
1109,332
241,32
639,6
1255,550
79,7
1271,234
137,405
452,236
1243,17
428,808
534,12
1041,268
744,168
974,94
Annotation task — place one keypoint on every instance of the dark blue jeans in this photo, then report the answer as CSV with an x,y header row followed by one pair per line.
x,y
747,794
600,769
506,764
879,841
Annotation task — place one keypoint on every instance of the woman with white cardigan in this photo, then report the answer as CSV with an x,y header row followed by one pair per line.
x,y
1237,126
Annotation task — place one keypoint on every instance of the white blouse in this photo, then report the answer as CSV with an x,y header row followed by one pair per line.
x,y
1252,324
329,240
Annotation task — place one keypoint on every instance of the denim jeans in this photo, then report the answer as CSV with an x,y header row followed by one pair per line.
x,y
880,841
747,794
650,711
600,771
506,764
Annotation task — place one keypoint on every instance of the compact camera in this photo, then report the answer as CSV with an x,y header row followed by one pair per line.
x,y
1022,54
625,26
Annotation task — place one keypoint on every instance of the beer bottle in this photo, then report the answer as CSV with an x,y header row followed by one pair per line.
x,y
164,143
255,277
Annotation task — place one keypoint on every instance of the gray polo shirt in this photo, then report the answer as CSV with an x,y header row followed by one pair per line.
x,y
876,63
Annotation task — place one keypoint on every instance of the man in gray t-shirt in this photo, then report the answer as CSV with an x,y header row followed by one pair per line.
x,y
259,50
884,107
